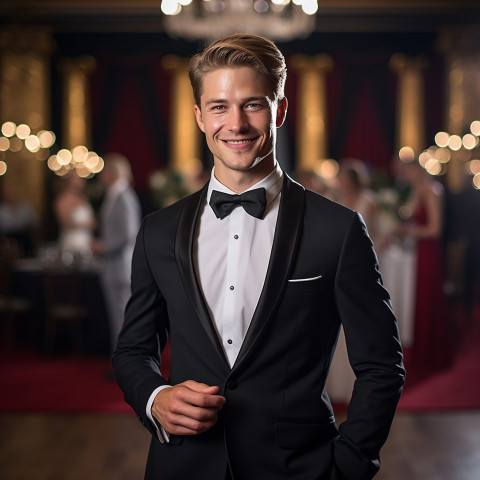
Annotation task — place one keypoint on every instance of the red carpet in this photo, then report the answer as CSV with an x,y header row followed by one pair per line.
x,y
455,388
44,384
31,382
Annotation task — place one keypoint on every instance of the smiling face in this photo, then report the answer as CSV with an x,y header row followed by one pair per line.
x,y
239,116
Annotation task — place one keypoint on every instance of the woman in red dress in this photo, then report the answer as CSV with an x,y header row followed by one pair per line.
x,y
432,341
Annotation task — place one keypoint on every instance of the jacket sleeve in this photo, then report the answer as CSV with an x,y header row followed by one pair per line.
x,y
375,354
136,360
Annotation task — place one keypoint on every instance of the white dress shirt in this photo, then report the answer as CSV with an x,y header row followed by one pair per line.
x,y
231,258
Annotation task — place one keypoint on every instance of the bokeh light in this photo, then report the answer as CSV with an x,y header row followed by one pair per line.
x,y
8,129
32,142
14,138
441,139
15,144
406,154
455,142
47,138
474,166
475,127
310,7
64,156
433,166
79,154
327,168
4,144
53,163
23,131
476,181
170,7
443,155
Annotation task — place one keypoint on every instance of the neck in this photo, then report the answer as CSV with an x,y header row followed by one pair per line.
x,y
240,180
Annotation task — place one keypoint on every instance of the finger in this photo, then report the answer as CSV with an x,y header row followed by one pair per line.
x,y
183,411
205,400
201,387
188,425
196,414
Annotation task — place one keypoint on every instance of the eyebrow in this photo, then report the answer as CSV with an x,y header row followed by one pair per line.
x,y
224,100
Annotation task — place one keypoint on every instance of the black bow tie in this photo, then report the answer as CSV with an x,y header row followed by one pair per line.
x,y
253,202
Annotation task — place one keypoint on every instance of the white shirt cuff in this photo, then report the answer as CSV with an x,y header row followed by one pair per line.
x,y
162,435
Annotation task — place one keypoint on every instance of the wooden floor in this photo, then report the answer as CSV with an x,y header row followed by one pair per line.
x,y
433,446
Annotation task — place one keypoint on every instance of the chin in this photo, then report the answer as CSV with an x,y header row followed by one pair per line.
x,y
244,166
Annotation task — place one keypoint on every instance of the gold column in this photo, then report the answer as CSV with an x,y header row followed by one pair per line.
x,y
185,136
76,101
25,98
410,102
463,93
311,130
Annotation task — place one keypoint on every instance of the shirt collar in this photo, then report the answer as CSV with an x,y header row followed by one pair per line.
x,y
272,184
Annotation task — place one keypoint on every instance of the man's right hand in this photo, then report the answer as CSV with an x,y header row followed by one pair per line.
x,y
188,408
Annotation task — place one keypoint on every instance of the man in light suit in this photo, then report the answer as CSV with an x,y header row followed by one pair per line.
x,y
250,279
119,222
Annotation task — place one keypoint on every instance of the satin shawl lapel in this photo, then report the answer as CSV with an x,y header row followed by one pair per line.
x,y
289,222
184,242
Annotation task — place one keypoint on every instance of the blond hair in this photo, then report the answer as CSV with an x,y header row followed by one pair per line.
x,y
240,50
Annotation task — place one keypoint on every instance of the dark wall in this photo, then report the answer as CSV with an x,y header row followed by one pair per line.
x,y
130,92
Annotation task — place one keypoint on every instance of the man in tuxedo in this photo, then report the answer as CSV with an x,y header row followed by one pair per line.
x,y
119,222
249,280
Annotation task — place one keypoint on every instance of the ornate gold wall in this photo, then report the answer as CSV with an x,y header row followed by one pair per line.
x,y
460,47
25,98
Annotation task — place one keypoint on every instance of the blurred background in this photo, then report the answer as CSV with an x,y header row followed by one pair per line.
x,y
384,117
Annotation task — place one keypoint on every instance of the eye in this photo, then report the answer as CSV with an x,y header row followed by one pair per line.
x,y
254,106
218,108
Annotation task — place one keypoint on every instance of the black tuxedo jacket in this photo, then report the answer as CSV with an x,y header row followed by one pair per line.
x,y
278,421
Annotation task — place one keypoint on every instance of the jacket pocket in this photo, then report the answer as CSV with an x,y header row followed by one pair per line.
x,y
301,286
304,432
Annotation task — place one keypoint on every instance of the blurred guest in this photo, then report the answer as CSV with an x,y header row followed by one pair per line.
x,y
311,180
119,222
432,334
75,215
353,189
17,219
462,234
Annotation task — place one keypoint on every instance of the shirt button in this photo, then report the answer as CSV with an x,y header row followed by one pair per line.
x,y
229,341
232,287
235,237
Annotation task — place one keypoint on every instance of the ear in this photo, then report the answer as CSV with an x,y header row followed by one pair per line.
x,y
281,111
198,117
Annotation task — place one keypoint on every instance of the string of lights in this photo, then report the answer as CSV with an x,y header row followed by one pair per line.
x,y
14,138
86,164
436,158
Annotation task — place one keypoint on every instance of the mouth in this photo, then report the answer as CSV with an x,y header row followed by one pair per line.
x,y
239,142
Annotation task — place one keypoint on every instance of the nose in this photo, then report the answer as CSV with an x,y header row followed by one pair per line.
x,y
237,120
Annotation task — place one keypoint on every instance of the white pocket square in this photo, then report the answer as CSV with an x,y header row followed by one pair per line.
x,y
311,279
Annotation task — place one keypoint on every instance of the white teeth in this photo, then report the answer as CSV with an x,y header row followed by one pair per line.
x,y
238,142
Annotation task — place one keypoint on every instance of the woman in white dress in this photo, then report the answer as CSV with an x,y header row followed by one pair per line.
x,y
75,216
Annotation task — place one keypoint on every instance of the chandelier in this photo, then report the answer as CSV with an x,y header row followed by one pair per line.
x,y
210,19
